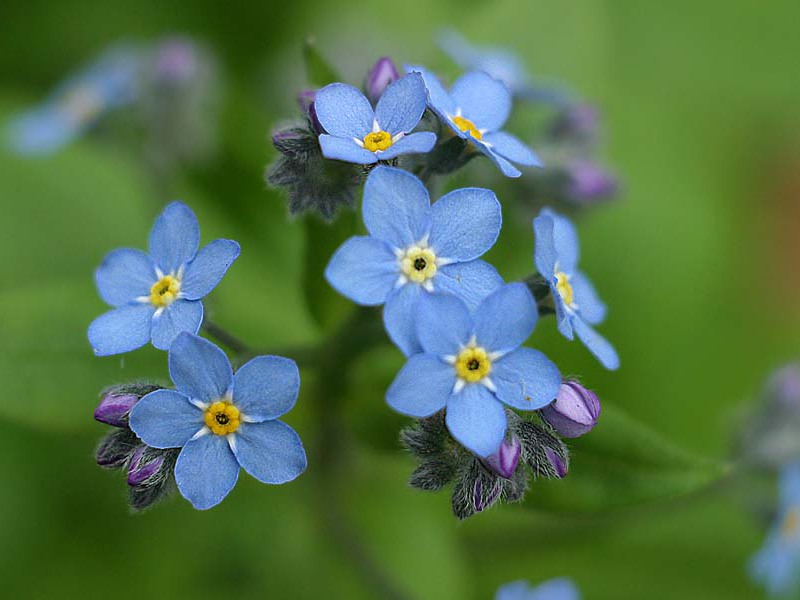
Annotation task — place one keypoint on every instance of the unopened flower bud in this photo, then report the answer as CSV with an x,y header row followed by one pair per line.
x,y
177,60
574,411
144,465
577,122
379,77
305,100
588,182
483,495
504,462
114,409
559,465
116,448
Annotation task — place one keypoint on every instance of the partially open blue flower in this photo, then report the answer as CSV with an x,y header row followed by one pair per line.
x,y
555,589
476,108
157,296
358,134
414,248
222,421
577,305
777,565
472,365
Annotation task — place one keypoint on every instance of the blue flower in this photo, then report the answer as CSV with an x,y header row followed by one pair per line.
x,y
472,365
222,421
157,296
476,108
414,247
555,589
358,134
109,82
577,305
777,565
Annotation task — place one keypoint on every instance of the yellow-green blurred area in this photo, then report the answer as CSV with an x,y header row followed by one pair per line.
x,y
697,261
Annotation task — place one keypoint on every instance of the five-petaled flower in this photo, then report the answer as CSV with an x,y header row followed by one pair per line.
x,y
222,421
577,305
476,107
358,134
415,247
554,589
473,365
158,296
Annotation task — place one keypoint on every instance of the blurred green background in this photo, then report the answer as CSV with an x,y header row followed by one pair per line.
x,y
697,262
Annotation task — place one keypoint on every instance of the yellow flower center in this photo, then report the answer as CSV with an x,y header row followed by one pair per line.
x,y
791,523
468,126
418,264
564,288
222,417
165,291
378,140
473,364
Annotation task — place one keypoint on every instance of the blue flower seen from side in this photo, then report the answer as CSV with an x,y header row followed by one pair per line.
x,y
358,134
777,565
473,365
158,295
414,247
554,589
476,108
222,421
577,304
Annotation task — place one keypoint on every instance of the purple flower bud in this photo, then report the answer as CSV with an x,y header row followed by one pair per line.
x,y
504,462
783,389
578,122
574,411
116,448
379,77
114,408
177,60
483,499
140,469
588,182
559,466
305,100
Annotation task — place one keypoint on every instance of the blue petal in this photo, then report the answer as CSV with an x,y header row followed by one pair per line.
x,y
165,419
505,167
174,238
399,317
396,206
180,316
270,451
526,379
125,275
545,255
482,99
415,143
422,386
591,308
516,590
207,269
363,269
266,387
511,148
476,419
506,318
346,149
443,324
565,239
199,369
789,485
41,131
402,104
597,344
344,111
206,471
465,223
121,330
440,100
471,281
555,589
563,316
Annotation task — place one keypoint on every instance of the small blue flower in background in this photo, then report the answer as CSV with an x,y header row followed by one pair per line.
x,y
222,421
577,305
473,365
555,589
358,134
414,247
110,82
476,108
157,296
777,565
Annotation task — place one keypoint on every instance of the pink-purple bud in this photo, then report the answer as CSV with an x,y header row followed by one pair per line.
x,y
177,60
140,470
379,77
114,408
483,499
305,100
574,411
504,462
559,466
589,182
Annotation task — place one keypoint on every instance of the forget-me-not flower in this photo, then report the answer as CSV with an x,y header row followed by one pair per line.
x,y
476,108
110,82
576,302
222,421
358,134
157,296
473,364
555,589
415,247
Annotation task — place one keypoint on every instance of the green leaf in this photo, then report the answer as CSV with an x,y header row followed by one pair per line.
x,y
623,463
318,70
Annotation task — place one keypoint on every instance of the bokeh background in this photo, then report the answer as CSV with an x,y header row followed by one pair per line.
x,y
698,262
